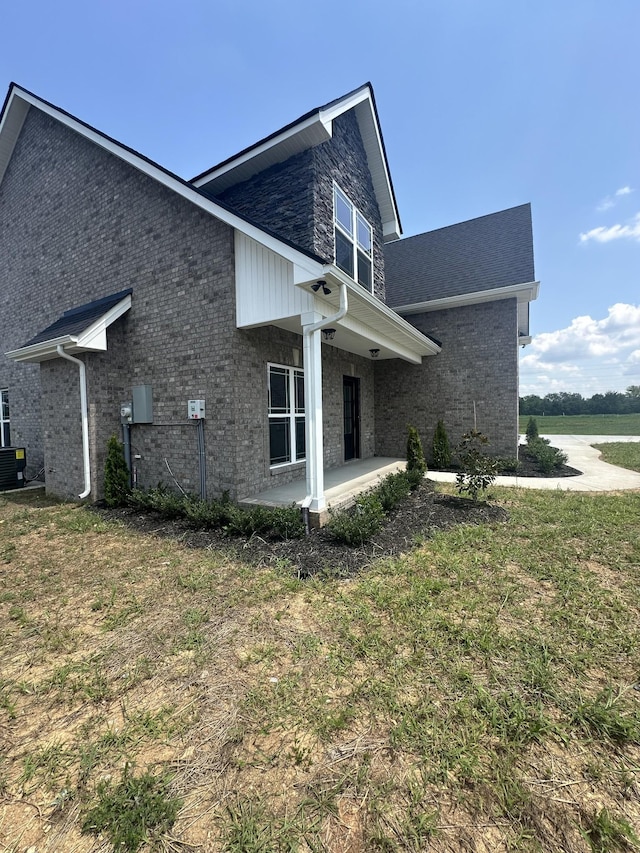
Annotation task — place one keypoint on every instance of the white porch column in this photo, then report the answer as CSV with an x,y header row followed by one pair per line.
x,y
312,355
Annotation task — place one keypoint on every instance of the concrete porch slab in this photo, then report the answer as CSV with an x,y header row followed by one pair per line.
x,y
341,485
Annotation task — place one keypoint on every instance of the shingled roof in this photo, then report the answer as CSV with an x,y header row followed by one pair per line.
x,y
480,254
76,320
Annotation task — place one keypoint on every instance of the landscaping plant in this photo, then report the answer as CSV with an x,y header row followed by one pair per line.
x,y
415,455
532,430
441,448
478,470
117,481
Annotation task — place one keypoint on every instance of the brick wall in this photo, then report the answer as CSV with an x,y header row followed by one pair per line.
x,y
478,363
76,224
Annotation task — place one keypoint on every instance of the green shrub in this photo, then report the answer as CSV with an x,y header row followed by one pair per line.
x,y
441,449
277,522
508,465
415,454
547,458
287,523
532,430
478,470
356,525
393,489
116,474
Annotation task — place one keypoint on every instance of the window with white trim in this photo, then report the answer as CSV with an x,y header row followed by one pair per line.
x,y
5,432
353,240
286,415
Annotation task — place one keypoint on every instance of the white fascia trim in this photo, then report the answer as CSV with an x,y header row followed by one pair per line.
x,y
42,350
95,336
326,131
10,128
151,170
522,292
390,314
390,230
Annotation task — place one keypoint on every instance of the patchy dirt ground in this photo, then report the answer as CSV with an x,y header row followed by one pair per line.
x,y
419,517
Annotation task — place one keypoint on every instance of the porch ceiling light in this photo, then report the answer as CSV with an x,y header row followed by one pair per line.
x,y
321,284
374,353
328,334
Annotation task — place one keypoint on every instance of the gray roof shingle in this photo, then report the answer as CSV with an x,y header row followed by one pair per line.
x,y
76,320
480,254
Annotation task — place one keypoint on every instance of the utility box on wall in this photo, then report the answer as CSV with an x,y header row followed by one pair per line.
x,y
142,404
196,410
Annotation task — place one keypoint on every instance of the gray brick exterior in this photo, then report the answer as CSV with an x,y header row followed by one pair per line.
x,y
77,224
478,363
295,199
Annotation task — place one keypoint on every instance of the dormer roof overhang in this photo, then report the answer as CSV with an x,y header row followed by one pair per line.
x,y
310,130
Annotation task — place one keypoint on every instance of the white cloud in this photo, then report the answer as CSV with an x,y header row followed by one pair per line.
x,y
610,201
603,234
589,356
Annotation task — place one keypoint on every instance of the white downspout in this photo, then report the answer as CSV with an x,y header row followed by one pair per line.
x,y
313,402
85,419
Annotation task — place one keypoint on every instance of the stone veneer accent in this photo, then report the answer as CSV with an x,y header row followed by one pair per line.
x,y
478,362
294,199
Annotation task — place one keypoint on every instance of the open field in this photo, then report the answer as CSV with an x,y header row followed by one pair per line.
x,y
479,693
626,454
585,424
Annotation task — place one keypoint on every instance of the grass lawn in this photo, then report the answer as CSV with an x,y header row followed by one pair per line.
x,y
478,693
585,424
626,454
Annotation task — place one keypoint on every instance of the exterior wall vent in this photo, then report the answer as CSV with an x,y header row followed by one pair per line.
x,y
13,461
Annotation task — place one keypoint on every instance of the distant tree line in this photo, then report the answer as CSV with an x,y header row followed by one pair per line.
x,y
564,403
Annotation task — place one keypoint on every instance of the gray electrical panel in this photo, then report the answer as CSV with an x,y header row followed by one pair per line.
x,y
142,404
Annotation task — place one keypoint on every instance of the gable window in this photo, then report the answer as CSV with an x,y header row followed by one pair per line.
x,y
354,239
286,415
5,434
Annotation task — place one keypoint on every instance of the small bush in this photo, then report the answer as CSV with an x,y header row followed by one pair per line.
x,y
116,474
478,470
415,454
393,489
441,449
357,525
222,514
532,430
508,465
547,458
132,813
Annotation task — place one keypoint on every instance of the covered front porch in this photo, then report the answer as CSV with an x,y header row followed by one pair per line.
x,y
342,485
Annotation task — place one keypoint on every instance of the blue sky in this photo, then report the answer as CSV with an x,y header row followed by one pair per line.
x,y
484,104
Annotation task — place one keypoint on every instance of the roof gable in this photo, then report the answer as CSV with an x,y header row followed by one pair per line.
x,y
311,129
14,111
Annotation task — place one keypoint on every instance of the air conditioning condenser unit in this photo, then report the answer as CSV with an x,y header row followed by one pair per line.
x,y
13,461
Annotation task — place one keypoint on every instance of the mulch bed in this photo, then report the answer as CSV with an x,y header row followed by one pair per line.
x,y
420,516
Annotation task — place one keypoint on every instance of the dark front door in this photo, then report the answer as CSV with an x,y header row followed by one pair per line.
x,y
351,394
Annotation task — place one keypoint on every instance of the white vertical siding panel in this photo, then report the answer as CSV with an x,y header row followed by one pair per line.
x,y
265,291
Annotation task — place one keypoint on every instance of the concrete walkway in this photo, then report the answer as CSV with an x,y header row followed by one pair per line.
x,y
597,476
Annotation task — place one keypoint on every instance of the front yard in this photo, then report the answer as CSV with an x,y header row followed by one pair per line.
x,y
478,692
